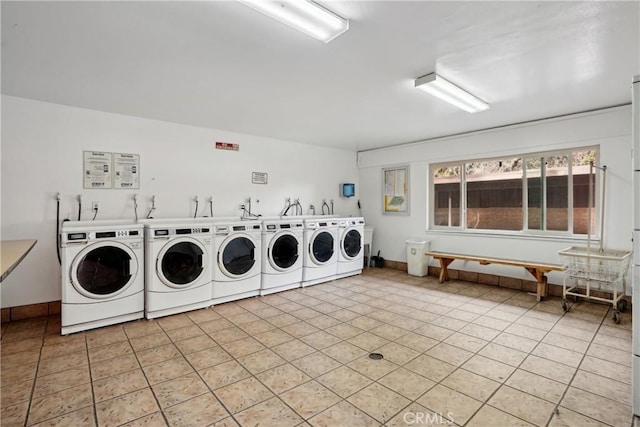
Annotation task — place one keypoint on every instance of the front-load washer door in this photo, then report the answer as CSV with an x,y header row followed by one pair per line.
x,y
351,244
283,251
104,270
321,247
237,256
180,262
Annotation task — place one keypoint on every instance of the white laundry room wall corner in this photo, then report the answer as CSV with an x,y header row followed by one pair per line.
x,y
610,129
42,154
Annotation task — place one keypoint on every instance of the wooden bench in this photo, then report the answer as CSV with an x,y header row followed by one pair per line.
x,y
538,270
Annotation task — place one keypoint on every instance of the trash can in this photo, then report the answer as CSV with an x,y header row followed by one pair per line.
x,y
417,261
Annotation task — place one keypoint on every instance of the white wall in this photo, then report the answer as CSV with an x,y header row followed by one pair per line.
x,y
610,129
42,147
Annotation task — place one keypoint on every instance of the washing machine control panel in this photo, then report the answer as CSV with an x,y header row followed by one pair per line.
x,y
122,233
274,227
166,232
76,236
246,227
320,224
222,230
226,229
108,234
195,230
102,235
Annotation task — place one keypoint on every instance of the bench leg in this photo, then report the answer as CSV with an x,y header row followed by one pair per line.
x,y
444,273
543,289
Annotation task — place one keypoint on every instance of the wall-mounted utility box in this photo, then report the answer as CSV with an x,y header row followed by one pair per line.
x,y
347,190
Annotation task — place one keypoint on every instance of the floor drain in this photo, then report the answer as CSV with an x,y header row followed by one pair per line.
x,y
376,356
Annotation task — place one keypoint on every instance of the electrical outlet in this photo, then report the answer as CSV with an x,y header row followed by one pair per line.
x,y
94,206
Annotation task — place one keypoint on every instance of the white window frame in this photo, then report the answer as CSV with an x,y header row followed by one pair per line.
x,y
525,219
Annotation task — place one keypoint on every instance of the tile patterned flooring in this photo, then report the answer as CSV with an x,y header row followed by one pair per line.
x,y
461,354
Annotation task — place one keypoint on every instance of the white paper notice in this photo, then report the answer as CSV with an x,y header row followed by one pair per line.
x,y
97,169
259,177
126,168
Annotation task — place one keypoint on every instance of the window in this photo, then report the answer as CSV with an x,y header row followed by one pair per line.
x,y
538,193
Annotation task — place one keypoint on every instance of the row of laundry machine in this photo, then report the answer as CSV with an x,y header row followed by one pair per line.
x,y
117,271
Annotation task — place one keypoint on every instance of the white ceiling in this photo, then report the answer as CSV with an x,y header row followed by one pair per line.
x,y
222,65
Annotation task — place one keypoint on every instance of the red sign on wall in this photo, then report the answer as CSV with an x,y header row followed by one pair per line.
x,y
227,146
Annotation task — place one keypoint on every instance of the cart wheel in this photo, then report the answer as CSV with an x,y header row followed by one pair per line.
x,y
622,305
565,305
616,317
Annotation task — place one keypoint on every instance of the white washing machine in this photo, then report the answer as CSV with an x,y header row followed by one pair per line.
x,y
282,254
102,274
351,244
178,266
237,260
320,251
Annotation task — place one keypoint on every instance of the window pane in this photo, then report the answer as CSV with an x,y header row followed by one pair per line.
x,y
557,174
535,194
580,168
447,196
494,194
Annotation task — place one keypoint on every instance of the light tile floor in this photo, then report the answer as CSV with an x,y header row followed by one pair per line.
x,y
455,354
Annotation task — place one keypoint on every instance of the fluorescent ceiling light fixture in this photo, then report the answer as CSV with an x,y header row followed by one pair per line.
x,y
435,85
303,15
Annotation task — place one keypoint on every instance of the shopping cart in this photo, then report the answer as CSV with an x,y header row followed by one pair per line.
x,y
591,270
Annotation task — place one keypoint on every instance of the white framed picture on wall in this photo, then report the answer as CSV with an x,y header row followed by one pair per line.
x,y
395,188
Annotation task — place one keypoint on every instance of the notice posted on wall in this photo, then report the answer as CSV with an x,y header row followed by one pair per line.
x,y
97,169
126,170
259,177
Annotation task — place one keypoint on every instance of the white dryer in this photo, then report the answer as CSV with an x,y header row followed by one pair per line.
x,y
351,243
178,266
282,254
102,274
320,251
237,260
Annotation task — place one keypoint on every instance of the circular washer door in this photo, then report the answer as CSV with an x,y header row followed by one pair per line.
x,y
283,251
180,262
104,270
321,247
237,256
351,243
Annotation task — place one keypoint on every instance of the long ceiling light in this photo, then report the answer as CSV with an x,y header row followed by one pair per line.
x,y
303,15
435,85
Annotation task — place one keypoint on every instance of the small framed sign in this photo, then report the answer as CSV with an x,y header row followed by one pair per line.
x,y
97,169
126,170
259,177
227,146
